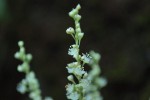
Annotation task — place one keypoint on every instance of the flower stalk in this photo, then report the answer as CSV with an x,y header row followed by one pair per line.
x,y
76,89
30,83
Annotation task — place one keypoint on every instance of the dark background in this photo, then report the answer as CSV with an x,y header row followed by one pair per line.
x,y
118,29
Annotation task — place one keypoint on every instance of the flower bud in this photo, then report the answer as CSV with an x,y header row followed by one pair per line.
x,y
73,13
19,68
29,57
70,30
78,30
70,78
101,82
78,25
77,17
17,55
80,35
20,43
85,75
78,7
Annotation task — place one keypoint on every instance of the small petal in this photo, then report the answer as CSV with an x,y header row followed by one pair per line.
x,y
70,88
86,58
73,51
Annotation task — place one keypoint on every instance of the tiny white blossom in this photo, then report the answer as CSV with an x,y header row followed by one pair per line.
x,y
22,88
73,51
73,64
20,43
73,96
85,83
32,81
78,71
88,97
86,58
101,81
70,88
70,70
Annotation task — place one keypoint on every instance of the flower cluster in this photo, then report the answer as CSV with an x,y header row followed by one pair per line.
x,y
30,82
87,85
76,90
83,85
97,82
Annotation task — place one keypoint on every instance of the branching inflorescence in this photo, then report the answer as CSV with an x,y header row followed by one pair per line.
x,y
83,85
87,84
30,83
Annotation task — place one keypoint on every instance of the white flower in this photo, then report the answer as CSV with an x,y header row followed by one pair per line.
x,y
73,96
101,81
70,88
70,78
73,51
70,70
32,81
88,97
86,58
85,83
73,64
22,86
76,70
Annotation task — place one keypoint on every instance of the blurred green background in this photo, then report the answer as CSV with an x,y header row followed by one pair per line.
x,y
118,29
